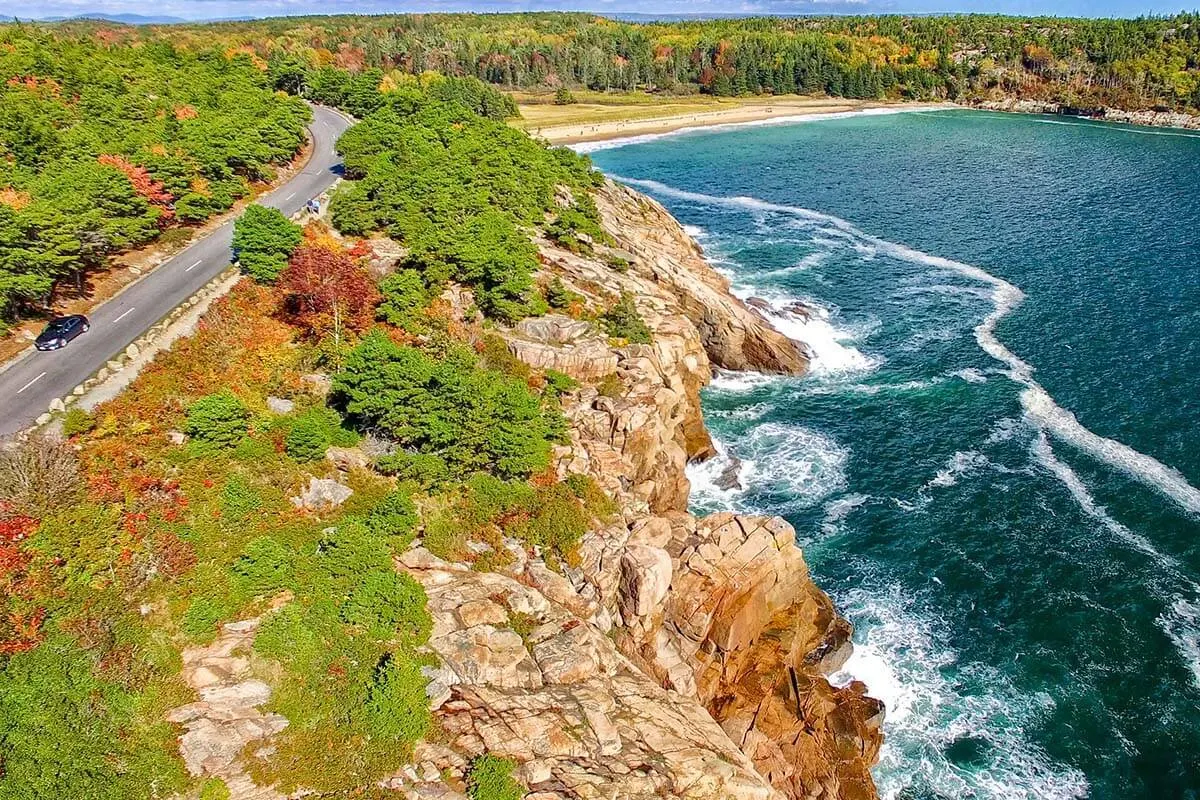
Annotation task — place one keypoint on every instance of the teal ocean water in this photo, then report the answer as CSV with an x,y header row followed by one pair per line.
x,y
992,467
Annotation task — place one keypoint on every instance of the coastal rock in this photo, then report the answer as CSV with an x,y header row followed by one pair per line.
x,y
582,721
227,717
279,405
734,336
731,476
645,579
347,458
322,494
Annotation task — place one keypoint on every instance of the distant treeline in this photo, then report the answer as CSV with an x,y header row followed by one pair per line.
x,y
1141,63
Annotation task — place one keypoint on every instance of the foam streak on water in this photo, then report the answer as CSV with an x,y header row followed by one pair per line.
x,y
1040,407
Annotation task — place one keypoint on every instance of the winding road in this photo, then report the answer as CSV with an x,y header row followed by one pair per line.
x,y
28,384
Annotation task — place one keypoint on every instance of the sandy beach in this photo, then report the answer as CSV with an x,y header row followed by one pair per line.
x,y
597,130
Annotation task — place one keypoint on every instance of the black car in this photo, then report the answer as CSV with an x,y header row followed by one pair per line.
x,y
60,331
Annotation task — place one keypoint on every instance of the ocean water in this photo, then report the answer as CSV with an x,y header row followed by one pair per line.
x,y
993,465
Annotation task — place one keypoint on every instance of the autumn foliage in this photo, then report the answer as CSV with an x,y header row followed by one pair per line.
x,y
19,626
144,185
323,291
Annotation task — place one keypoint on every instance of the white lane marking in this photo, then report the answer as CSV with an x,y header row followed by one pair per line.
x,y
31,383
289,197
123,316
193,266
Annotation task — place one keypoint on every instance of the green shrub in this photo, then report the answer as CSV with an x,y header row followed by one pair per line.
x,y
77,421
593,497
558,524
350,552
219,419
610,386
623,321
490,778
239,498
257,450
201,618
397,706
559,382
424,469
404,294
487,498
192,207
263,241
264,566
214,789
444,536
563,97
389,603
308,439
394,516
472,418
559,296
65,732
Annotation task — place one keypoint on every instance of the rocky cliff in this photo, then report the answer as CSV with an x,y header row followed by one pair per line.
x,y
679,657
672,657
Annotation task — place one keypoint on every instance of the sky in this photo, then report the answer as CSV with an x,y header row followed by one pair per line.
x,y
217,9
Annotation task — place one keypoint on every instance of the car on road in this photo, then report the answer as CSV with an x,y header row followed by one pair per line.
x,y
60,331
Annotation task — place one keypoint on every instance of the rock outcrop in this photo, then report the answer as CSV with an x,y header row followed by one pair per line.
x,y
1149,118
734,336
227,717
718,612
580,718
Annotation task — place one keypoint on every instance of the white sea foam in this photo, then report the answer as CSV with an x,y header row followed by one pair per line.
x,y
963,462
1004,430
729,381
695,231
837,509
1040,407
933,701
970,375
805,263
830,346
814,388
1043,453
782,119
748,412
1181,624
784,460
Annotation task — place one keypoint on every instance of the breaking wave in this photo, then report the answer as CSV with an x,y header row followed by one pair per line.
x,y
953,729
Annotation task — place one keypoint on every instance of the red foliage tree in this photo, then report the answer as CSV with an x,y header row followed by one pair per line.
x,y
20,624
143,184
325,291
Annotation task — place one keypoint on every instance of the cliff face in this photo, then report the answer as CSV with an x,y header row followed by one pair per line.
x,y
681,657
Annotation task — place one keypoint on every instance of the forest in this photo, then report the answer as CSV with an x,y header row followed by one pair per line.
x,y
1127,63
112,135
105,147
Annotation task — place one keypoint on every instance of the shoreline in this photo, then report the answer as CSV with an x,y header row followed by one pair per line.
x,y
1170,120
601,134
613,131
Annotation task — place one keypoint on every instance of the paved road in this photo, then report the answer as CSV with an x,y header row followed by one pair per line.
x,y
28,386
